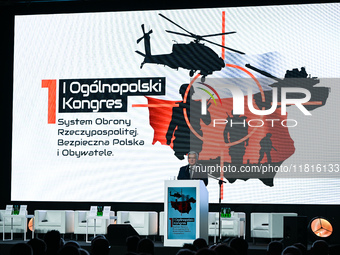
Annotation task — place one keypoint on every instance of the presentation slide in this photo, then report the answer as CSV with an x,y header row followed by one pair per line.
x,y
107,105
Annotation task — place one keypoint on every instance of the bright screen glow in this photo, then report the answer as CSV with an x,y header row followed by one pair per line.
x,y
77,139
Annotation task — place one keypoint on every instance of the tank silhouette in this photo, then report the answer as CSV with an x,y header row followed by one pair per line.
x,y
293,78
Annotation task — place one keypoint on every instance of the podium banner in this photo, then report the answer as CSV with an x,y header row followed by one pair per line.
x,y
186,206
182,213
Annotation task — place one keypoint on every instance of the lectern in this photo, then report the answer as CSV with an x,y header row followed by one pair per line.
x,y
186,208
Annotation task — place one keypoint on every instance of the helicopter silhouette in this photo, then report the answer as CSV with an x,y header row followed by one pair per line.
x,y
193,56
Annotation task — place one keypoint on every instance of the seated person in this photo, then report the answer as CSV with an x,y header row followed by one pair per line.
x,y
193,171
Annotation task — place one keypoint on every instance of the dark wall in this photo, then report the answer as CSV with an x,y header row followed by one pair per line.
x,y
7,11
6,53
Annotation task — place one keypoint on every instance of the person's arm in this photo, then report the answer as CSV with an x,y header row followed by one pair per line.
x,y
181,173
179,176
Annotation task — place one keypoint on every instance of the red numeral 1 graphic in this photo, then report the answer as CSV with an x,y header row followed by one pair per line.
x,y
52,90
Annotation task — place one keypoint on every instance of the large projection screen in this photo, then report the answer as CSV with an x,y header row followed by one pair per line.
x,y
94,100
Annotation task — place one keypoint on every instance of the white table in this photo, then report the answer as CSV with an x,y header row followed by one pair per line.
x,y
25,217
235,219
95,217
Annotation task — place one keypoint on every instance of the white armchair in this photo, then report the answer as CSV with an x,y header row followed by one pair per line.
x,y
161,223
46,220
268,225
80,218
19,223
233,226
145,223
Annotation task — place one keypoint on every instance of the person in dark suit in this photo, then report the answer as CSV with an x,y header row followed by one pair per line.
x,y
193,171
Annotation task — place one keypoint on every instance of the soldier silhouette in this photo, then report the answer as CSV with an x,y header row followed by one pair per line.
x,y
236,129
185,140
266,147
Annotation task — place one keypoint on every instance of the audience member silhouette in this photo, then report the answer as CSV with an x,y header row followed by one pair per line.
x,y
83,252
200,243
72,243
274,248
240,245
21,249
100,246
145,246
291,250
38,246
205,251
53,242
69,250
301,247
319,247
132,243
97,237
190,247
223,249
62,242
185,252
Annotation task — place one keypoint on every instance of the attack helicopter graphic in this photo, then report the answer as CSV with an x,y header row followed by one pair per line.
x,y
193,56
183,206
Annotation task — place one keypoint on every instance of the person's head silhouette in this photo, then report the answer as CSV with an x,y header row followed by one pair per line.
x,y
183,89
